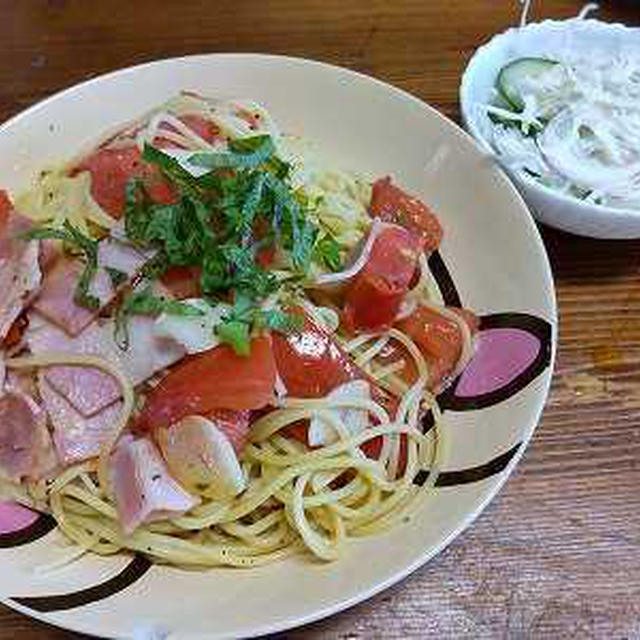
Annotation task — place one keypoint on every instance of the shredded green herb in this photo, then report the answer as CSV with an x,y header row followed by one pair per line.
x,y
236,334
327,251
221,222
246,153
75,240
245,317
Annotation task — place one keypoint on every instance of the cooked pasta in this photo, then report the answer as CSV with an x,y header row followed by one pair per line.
x,y
291,331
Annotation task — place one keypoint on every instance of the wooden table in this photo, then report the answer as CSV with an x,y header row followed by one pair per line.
x,y
557,554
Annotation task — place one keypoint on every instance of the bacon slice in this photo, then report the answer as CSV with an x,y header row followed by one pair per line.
x,y
87,389
142,487
90,390
26,450
20,274
56,300
76,438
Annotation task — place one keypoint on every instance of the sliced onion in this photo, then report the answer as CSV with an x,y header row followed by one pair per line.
x,y
342,276
195,333
280,389
352,419
561,146
201,458
407,307
326,317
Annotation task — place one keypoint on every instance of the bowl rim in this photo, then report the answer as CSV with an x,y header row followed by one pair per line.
x,y
535,237
484,52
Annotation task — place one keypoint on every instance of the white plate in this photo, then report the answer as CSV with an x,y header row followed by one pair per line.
x,y
492,257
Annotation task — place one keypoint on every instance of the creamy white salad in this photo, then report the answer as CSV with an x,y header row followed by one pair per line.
x,y
572,123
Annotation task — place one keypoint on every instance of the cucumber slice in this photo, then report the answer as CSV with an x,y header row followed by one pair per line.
x,y
502,103
511,76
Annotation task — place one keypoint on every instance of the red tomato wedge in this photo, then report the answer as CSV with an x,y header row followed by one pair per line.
x,y
110,171
215,379
438,338
373,298
392,204
310,363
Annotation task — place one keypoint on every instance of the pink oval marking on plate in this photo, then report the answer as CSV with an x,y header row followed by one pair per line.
x,y
15,517
502,354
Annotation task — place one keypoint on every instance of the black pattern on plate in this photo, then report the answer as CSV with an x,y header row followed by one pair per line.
x,y
36,530
471,474
443,279
130,574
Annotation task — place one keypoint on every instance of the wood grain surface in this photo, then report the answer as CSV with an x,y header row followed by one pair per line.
x,y
557,554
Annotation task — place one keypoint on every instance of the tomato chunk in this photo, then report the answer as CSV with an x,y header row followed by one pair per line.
x,y
392,204
215,379
438,338
310,363
373,299
110,171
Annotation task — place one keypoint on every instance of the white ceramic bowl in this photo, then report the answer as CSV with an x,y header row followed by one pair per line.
x,y
546,39
492,260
